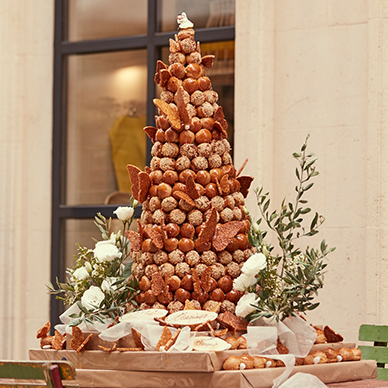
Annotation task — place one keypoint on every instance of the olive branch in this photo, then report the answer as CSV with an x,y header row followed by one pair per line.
x,y
292,278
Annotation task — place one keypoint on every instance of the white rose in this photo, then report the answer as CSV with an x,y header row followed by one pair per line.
x,y
92,298
244,307
107,284
124,213
243,282
106,251
80,273
254,264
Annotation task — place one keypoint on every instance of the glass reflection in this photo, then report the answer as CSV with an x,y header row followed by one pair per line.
x,y
106,116
203,13
98,19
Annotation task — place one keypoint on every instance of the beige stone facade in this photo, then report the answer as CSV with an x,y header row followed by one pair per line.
x,y
302,67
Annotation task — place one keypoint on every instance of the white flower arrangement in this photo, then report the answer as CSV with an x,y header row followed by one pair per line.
x,y
100,283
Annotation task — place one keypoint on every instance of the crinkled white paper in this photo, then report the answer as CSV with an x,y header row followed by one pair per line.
x,y
262,339
74,309
304,380
297,335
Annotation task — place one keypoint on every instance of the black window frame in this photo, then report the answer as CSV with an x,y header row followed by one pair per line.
x,y
153,43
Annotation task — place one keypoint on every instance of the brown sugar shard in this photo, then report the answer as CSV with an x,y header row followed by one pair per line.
x,y
140,230
151,132
221,128
207,61
166,336
224,234
137,338
180,103
156,237
206,279
232,322
245,182
224,185
239,171
196,281
164,76
219,122
77,338
144,186
163,231
85,341
207,233
157,283
111,349
331,335
191,189
171,113
173,339
59,341
189,305
159,66
43,331
184,197
135,240
134,172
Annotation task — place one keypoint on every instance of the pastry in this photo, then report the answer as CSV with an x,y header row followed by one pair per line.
x,y
193,223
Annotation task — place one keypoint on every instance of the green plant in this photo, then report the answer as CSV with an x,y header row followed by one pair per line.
x,y
291,278
100,283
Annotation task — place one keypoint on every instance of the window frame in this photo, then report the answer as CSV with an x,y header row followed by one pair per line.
x,y
153,43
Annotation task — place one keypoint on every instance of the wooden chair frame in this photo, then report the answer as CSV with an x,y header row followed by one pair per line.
x,y
379,351
37,374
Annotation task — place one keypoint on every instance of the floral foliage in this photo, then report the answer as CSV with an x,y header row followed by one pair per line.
x,y
100,283
284,283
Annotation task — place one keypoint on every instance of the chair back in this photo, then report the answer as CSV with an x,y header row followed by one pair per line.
x,y
37,374
378,334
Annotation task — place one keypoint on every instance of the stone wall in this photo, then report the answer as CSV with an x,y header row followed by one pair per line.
x,y
26,72
318,68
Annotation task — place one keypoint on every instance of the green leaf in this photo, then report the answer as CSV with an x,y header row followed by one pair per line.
x,y
266,205
252,240
82,308
323,246
296,155
314,221
127,270
313,306
309,186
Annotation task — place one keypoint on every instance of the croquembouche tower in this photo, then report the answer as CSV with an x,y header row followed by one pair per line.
x,y
192,237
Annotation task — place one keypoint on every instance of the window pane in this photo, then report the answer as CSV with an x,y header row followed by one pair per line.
x,y
203,13
98,19
79,232
105,120
221,75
